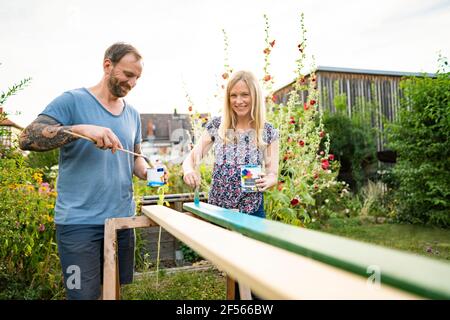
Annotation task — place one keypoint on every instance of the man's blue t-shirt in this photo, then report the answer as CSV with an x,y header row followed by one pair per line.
x,y
94,184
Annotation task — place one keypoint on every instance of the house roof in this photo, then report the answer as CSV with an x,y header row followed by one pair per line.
x,y
9,123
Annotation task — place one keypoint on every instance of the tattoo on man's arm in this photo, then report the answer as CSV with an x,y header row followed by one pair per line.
x,y
43,134
138,150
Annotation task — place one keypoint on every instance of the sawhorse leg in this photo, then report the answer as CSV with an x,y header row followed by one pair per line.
x,y
111,285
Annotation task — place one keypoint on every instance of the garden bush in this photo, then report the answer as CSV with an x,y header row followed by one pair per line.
x,y
421,138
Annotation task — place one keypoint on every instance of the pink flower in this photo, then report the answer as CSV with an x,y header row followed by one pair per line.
x,y
301,143
331,157
322,134
41,227
321,153
325,164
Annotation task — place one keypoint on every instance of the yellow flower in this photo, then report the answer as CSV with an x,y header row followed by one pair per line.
x,y
38,177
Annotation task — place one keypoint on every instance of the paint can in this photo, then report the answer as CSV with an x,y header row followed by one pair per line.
x,y
155,177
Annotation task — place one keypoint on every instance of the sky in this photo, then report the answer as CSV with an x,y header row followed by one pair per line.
x,y
60,44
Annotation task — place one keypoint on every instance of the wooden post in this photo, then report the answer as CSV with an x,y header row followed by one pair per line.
x,y
111,281
231,294
244,292
110,268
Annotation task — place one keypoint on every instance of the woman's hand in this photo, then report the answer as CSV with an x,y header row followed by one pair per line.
x,y
192,179
266,181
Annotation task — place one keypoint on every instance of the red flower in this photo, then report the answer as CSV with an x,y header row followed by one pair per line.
x,y
285,158
274,98
292,121
295,202
225,76
313,79
300,47
280,186
272,43
312,102
41,227
316,186
305,106
325,164
322,134
266,50
190,108
267,77
316,176
301,143
331,157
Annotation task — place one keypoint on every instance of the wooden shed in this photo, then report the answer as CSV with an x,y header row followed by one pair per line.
x,y
362,88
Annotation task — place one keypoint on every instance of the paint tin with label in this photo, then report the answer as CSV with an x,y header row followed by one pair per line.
x,y
155,177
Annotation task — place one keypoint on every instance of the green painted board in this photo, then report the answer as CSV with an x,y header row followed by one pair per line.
x,y
423,276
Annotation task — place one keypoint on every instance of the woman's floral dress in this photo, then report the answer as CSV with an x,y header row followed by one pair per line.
x,y
225,190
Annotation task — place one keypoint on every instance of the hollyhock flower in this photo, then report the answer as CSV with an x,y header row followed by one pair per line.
x,y
312,102
289,140
190,108
41,227
325,164
225,76
316,176
267,77
331,157
292,121
266,51
280,186
322,134
274,98
295,202
305,106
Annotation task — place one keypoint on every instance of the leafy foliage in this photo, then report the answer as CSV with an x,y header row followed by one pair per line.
x,y
421,139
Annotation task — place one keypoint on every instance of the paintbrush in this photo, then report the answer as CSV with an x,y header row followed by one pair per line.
x,y
123,150
197,187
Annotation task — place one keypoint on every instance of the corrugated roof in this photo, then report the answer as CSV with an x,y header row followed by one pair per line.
x,y
376,72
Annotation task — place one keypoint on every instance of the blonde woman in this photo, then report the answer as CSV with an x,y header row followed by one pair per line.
x,y
241,138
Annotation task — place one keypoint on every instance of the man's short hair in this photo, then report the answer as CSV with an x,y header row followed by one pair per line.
x,y
118,50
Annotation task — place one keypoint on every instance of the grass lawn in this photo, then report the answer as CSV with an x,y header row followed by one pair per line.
x,y
195,285
426,241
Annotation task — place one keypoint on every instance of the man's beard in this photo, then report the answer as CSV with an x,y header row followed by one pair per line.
x,y
117,88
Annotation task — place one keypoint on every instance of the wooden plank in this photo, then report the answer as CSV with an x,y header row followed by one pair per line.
x,y
271,272
416,274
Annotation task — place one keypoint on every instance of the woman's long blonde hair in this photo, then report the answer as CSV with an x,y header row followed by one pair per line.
x,y
257,113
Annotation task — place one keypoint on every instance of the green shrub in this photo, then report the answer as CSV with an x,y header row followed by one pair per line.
x,y
421,138
29,264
